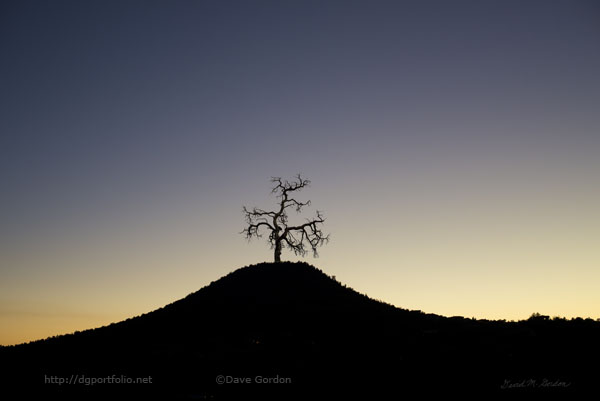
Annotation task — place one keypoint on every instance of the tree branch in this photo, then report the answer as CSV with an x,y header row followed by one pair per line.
x,y
253,230
294,202
309,232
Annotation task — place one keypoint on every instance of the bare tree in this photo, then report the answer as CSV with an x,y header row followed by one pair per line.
x,y
297,238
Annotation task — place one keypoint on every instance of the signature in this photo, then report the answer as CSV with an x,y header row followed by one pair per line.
x,y
533,383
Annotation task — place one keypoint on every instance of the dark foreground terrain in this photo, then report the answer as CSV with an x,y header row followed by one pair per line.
x,y
288,331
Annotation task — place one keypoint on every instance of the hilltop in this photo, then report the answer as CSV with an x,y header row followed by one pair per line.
x,y
304,334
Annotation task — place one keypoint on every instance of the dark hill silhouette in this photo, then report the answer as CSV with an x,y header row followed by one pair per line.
x,y
291,322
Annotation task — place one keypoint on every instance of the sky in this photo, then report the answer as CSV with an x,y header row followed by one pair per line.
x,y
454,148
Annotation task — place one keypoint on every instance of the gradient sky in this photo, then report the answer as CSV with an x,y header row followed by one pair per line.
x,y
454,147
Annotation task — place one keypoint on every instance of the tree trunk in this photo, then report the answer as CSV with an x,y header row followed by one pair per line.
x,y
277,250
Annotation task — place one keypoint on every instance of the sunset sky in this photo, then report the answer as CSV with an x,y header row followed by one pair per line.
x,y
454,147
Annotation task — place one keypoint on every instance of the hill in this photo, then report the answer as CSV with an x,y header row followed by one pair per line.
x,y
289,331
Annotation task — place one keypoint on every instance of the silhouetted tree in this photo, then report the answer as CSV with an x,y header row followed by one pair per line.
x,y
297,238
